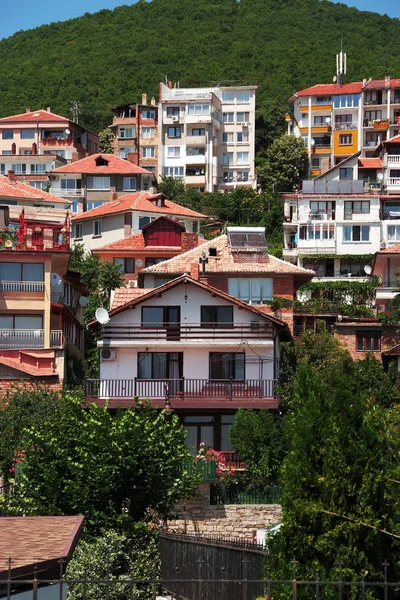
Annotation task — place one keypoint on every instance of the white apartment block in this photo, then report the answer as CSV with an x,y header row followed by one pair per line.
x,y
207,136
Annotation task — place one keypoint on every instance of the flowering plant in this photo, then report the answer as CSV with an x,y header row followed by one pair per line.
x,y
207,454
18,461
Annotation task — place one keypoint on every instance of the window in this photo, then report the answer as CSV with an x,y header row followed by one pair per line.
x,y
27,134
345,139
368,341
323,100
227,138
148,132
7,153
242,176
242,137
193,171
317,232
96,228
242,117
228,117
356,269
90,205
160,365
256,291
242,158
173,151
2,169
21,272
320,121
227,365
78,230
174,132
127,132
172,111
144,221
315,163
198,109
346,101
356,233
343,119
123,152
38,169
227,158
148,152
217,316
346,173
372,115
127,265
129,183
321,207
174,172
229,175
358,207
228,97
8,134
39,185
191,151
243,97
160,316
70,184
21,322
148,114
19,169
98,183
198,131
152,260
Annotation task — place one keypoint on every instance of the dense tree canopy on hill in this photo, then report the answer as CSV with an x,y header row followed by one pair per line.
x,y
111,57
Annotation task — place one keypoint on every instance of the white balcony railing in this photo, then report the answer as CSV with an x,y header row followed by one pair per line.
x,y
393,159
22,286
395,181
28,338
67,193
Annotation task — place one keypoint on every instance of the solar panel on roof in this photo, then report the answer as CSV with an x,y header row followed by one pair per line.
x,y
247,239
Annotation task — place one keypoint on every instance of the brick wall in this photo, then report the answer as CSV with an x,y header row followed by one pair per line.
x,y
347,335
283,286
196,515
189,240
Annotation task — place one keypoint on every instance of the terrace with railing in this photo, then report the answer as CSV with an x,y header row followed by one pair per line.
x,y
17,339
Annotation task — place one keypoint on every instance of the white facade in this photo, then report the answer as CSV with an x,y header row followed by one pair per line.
x,y
207,136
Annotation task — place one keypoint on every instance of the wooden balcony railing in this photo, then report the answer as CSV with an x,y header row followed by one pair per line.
x,y
181,389
188,331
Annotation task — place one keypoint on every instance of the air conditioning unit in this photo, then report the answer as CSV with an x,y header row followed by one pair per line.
x,y
107,354
132,283
383,245
175,119
245,124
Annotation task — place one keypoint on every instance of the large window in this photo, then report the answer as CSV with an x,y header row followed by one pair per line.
x,y
346,173
228,97
198,109
174,132
129,183
368,341
160,316
127,265
21,322
198,131
217,316
323,207
242,158
14,271
160,365
172,111
243,97
148,113
27,134
256,291
127,132
358,207
98,183
227,365
346,101
242,117
317,232
38,169
174,172
8,134
19,169
356,233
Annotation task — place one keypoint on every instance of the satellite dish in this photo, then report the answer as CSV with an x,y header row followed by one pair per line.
x,y
327,120
335,79
368,269
102,316
55,280
312,142
67,131
380,176
83,301
139,262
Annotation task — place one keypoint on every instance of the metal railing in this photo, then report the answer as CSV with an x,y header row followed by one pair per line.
x,y
342,126
74,192
239,494
188,331
181,389
393,158
28,338
394,181
22,286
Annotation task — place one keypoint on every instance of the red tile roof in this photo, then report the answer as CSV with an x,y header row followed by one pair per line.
x,y
228,261
36,541
136,242
139,201
393,140
332,89
378,84
370,163
34,116
15,189
122,296
391,250
116,166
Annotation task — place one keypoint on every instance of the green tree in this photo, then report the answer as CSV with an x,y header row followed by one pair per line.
x,y
174,189
111,468
106,137
287,164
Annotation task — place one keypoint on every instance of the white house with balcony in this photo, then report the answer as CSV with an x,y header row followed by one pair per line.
x,y
190,348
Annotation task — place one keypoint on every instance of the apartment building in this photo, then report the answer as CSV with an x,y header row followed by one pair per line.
x,y
30,169
98,179
34,326
44,132
338,119
135,129
193,349
207,136
112,221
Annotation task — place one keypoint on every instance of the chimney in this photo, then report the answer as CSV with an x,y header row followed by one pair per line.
x,y
161,86
133,157
170,85
49,109
153,101
194,271
189,241
11,175
114,196
28,109
144,99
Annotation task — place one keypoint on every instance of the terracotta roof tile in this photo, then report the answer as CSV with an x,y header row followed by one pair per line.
x,y
378,84
34,116
228,261
139,201
124,295
116,166
370,163
391,250
29,541
332,89
393,140
136,242
15,189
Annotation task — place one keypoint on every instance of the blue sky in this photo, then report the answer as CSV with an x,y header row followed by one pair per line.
x,y
25,14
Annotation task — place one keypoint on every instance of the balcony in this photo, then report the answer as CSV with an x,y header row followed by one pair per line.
x,y
29,338
345,126
195,333
388,289
195,159
185,393
393,182
67,193
393,159
195,140
22,290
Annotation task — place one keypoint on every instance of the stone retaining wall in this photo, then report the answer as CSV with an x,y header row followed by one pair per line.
x,y
232,520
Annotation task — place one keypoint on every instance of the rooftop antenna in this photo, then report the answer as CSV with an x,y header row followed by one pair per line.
x,y
341,65
75,110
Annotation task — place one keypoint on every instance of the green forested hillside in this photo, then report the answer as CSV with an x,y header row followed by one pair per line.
x,y
111,57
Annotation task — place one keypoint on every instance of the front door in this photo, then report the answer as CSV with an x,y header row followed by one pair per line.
x,y
173,322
